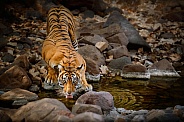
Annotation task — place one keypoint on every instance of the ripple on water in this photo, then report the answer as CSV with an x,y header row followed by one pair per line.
x,y
157,93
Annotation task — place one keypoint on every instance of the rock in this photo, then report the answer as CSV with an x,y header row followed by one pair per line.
x,y
26,41
87,13
102,99
167,35
135,40
88,117
3,42
92,40
46,109
8,58
176,16
122,119
119,38
139,118
163,68
134,68
22,61
61,119
119,63
15,77
135,71
154,113
34,88
4,30
178,111
18,94
89,51
92,66
101,46
161,116
81,108
118,52
4,117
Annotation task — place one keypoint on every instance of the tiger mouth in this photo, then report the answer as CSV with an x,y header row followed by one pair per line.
x,y
69,96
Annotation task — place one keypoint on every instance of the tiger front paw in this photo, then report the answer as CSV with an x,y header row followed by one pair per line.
x,y
88,87
51,79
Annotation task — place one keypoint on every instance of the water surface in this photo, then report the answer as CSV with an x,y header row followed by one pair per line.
x,y
131,94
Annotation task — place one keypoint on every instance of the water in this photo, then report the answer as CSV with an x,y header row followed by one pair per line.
x,y
156,93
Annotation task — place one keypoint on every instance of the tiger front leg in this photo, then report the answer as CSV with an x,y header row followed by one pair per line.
x,y
51,77
88,87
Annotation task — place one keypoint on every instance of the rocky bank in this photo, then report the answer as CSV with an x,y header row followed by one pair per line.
x,y
130,39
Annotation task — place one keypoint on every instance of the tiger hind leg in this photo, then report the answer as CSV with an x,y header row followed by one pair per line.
x,y
51,77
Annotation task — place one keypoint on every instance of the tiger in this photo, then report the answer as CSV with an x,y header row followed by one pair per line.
x,y
65,66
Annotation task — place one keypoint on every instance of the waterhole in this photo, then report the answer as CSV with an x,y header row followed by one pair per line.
x,y
156,93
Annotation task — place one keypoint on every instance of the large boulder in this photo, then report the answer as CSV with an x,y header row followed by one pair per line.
x,y
102,99
135,40
93,53
46,109
19,96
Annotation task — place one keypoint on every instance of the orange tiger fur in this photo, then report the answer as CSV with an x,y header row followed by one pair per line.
x,y
65,65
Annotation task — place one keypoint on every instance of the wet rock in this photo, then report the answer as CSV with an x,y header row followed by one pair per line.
x,y
102,99
163,68
7,57
34,88
178,111
88,117
118,52
119,38
89,51
4,117
135,40
3,42
119,63
81,108
42,110
15,77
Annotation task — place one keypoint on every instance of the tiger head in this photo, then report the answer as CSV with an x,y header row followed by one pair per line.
x,y
69,78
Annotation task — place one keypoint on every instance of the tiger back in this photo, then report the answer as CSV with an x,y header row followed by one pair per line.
x,y
65,65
